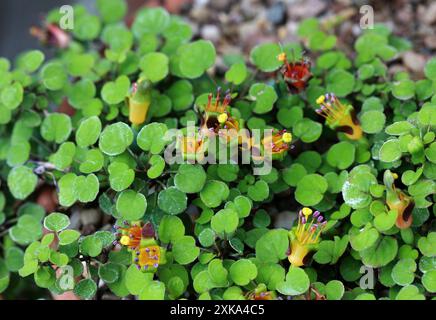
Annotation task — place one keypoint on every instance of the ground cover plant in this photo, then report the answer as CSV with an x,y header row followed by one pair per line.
x,y
89,203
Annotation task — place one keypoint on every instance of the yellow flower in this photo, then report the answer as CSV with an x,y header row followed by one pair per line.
x,y
281,57
139,102
148,257
222,118
338,116
278,144
305,237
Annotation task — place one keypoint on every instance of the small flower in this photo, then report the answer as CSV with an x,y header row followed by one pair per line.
x,y
148,258
397,200
215,105
338,116
140,239
51,35
192,147
278,144
305,237
216,115
131,234
295,74
139,101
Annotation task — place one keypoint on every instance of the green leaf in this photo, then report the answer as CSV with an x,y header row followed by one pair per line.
x,y
152,137
190,178
56,221
364,239
136,280
54,76
27,230
68,236
381,253
410,292
213,193
334,290
308,130
154,290
30,61
430,69
341,155
404,89
390,151
296,282
115,92
150,20
429,281
372,121
131,205
265,57
237,73
86,188
108,272
172,200
154,66
93,161
195,58
225,221
85,289
272,246
22,182
170,229
112,10
115,139
264,97
184,250
121,176
310,189
88,132
56,127
12,96
403,272
91,246
330,251
340,82
86,27
243,271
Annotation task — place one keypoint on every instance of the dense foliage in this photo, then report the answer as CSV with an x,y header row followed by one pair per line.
x,y
352,183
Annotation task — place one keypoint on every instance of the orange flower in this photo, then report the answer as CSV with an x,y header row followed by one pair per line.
x,y
148,257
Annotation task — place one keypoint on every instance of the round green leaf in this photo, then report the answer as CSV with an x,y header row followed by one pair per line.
x,y
22,182
115,138
190,178
56,221
88,132
243,271
310,189
56,127
131,205
172,200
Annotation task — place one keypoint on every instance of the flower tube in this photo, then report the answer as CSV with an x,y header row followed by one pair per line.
x,y
397,200
339,117
305,236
